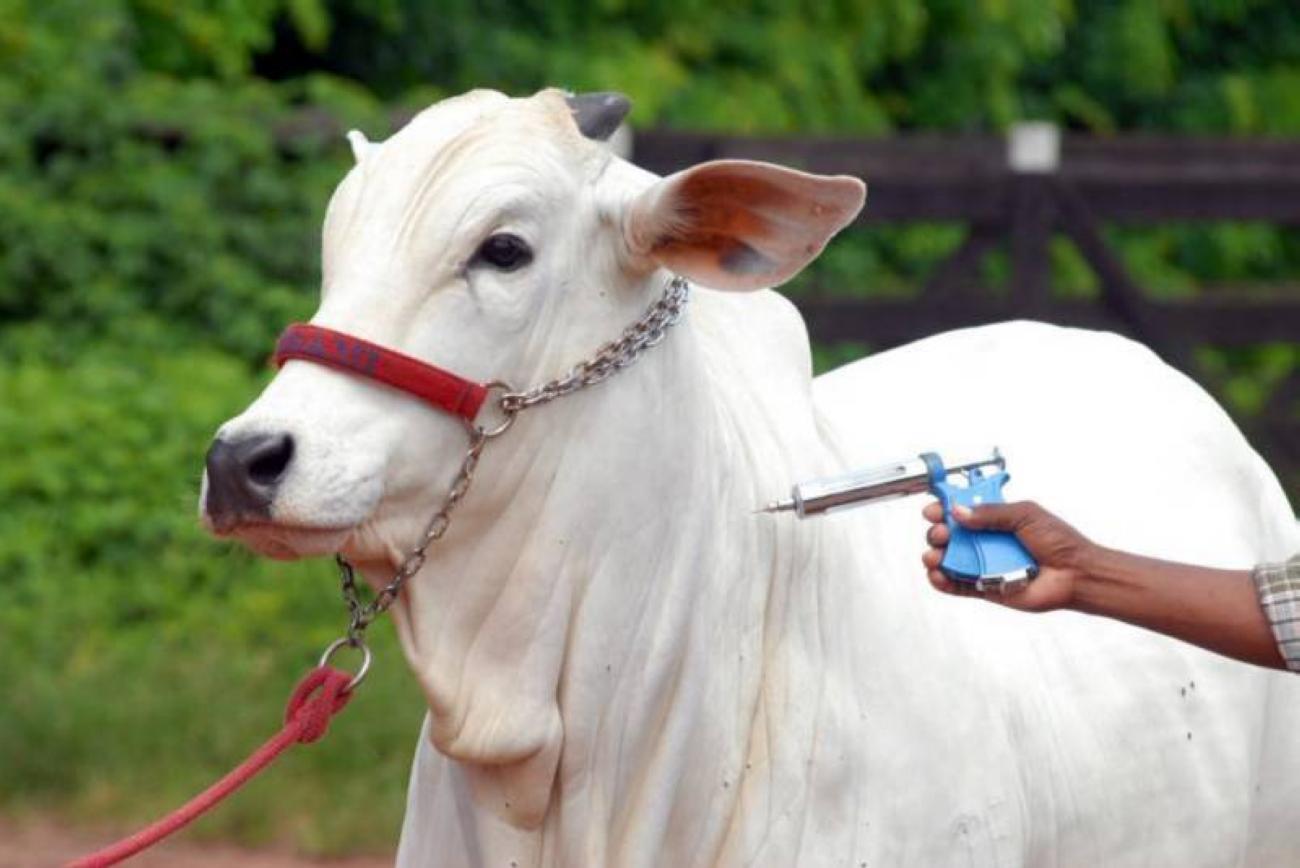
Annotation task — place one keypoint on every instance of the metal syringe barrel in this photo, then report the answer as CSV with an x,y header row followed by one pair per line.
x,y
872,485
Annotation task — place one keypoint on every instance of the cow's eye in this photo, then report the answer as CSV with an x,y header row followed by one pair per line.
x,y
505,252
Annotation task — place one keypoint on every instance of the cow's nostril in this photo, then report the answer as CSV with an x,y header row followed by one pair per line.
x,y
270,459
243,475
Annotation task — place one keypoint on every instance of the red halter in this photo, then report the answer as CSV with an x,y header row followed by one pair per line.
x,y
433,385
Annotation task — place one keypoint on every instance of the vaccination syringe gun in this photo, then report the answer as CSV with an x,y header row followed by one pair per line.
x,y
986,560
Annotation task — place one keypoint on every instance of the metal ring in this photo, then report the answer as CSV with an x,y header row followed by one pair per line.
x,y
351,643
509,415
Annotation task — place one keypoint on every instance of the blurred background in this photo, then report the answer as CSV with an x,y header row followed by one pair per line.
x,y
164,168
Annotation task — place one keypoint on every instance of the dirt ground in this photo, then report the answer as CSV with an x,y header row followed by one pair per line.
x,y
41,844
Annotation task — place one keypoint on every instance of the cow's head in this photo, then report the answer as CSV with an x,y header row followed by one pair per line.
x,y
497,238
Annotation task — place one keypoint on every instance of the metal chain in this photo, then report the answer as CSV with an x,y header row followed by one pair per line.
x,y
648,331
643,334
361,615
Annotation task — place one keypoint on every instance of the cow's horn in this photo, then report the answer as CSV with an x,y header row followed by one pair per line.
x,y
598,114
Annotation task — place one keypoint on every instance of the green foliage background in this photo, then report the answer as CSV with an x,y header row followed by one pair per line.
x,y
160,198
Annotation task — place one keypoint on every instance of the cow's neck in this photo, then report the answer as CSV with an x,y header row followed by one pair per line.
x,y
596,655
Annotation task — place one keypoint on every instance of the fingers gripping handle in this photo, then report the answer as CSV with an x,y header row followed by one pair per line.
x,y
984,558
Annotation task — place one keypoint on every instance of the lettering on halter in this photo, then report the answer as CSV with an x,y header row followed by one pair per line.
x,y
337,349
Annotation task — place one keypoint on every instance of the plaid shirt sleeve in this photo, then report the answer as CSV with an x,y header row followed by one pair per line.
x,y
1279,595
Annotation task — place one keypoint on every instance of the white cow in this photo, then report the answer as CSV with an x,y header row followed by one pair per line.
x,y
623,665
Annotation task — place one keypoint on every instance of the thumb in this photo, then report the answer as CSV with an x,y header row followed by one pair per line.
x,y
995,516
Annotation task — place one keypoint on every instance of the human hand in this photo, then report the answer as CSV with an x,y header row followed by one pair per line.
x,y
1061,551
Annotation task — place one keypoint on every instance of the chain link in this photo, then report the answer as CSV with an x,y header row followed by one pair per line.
x,y
646,332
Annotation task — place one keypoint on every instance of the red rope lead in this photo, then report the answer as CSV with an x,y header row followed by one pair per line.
x,y
320,695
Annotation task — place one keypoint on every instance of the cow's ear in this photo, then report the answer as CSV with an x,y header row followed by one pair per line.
x,y
740,225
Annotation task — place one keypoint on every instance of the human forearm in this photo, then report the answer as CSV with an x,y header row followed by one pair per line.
x,y
1216,609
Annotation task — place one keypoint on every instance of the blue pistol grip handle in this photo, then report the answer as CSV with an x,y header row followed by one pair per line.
x,y
977,556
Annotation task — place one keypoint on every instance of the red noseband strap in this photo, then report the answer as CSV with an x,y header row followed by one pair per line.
x,y
442,389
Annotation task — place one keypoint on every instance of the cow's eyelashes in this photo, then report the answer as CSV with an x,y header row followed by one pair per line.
x,y
504,252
